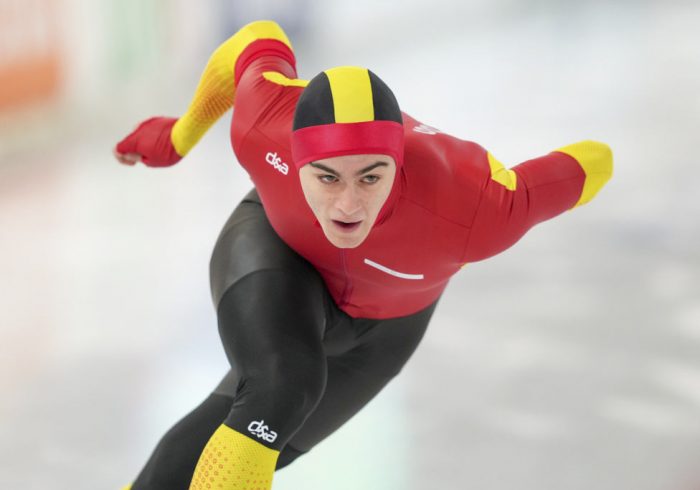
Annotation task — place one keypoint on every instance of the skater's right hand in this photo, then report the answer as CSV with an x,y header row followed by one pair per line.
x,y
149,143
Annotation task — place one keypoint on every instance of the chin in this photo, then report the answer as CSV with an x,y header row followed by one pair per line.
x,y
345,243
342,245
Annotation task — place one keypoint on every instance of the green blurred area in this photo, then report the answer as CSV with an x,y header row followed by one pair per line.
x,y
135,36
115,61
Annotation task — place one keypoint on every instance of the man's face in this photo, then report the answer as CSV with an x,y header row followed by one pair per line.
x,y
346,194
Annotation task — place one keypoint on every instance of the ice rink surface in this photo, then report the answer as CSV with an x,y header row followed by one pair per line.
x,y
569,362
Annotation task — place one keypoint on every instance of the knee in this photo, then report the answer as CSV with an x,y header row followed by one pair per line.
x,y
294,385
280,395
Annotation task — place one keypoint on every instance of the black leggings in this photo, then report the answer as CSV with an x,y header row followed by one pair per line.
x,y
297,361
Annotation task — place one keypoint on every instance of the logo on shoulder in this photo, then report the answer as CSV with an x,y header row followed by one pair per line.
x,y
425,129
262,431
273,159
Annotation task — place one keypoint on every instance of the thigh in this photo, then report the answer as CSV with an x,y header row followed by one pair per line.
x,y
246,244
271,312
271,327
268,298
381,349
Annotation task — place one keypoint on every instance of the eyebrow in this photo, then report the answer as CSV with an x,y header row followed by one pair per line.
x,y
359,172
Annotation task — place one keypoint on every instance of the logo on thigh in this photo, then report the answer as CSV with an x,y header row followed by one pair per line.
x,y
262,431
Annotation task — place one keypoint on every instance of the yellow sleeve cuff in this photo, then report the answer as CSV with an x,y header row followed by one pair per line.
x,y
596,160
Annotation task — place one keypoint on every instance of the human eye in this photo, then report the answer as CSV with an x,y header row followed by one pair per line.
x,y
370,179
327,178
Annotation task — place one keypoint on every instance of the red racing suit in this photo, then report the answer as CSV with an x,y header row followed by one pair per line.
x,y
451,203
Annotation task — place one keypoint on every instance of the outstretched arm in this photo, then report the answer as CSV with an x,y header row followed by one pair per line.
x,y
162,141
514,200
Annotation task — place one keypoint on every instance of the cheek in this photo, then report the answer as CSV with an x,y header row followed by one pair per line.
x,y
314,204
317,201
380,197
310,194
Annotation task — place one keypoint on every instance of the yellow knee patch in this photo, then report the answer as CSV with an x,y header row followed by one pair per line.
x,y
233,460
596,160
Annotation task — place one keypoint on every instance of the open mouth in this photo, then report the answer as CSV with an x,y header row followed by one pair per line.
x,y
346,227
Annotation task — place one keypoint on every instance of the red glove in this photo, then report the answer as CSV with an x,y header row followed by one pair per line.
x,y
149,142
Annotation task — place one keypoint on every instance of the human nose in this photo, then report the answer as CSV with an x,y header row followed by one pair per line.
x,y
348,201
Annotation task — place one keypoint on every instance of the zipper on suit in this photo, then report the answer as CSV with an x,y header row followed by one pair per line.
x,y
347,290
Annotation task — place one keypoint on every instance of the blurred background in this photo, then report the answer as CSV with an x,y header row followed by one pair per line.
x,y
571,361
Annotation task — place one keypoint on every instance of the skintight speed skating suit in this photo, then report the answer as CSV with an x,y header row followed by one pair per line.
x,y
312,331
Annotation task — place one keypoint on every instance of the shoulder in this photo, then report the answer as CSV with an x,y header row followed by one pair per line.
x,y
266,82
444,174
265,100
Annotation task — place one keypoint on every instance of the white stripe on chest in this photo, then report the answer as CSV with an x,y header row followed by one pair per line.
x,y
394,273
